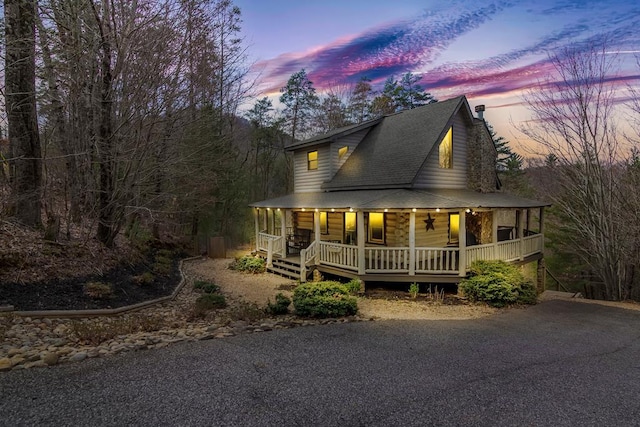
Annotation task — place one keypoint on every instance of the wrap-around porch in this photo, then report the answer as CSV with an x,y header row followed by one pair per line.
x,y
398,244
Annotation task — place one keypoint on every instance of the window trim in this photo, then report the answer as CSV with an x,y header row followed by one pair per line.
x,y
312,164
342,151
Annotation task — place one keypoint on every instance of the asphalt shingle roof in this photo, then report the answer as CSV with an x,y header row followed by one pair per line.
x,y
392,153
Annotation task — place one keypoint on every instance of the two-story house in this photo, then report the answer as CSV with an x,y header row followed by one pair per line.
x,y
412,197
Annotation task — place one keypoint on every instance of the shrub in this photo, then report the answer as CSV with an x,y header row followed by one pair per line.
x,y
324,299
144,279
162,265
498,284
98,290
206,287
354,286
249,264
414,288
281,306
246,311
210,301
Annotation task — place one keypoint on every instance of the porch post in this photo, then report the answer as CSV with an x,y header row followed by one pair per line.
x,y
316,226
265,221
521,232
283,231
462,243
256,213
361,239
270,253
412,244
494,234
541,220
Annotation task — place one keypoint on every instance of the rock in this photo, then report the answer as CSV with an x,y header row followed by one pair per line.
x,y
50,359
206,337
13,351
36,364
5,364
78,357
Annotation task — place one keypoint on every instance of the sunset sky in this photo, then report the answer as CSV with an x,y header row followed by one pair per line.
x,y
488,50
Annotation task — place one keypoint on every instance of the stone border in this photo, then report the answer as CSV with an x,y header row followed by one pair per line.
x,y
106,311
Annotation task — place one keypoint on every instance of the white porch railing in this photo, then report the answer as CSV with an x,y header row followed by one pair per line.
x,y
437,260
386,260
481,252
309,254
278,245
508,250
532,244
338,255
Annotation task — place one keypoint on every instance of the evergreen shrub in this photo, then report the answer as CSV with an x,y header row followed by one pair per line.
x,y
498,284
324,299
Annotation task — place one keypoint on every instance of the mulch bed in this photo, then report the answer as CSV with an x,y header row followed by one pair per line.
x,y
69,294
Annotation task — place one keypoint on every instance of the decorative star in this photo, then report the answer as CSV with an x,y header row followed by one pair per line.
x,y
429,221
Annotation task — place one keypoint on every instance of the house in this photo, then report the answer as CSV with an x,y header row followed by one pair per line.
x,y
409,197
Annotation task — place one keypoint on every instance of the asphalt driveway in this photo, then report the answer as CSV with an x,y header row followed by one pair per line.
x,y
558,363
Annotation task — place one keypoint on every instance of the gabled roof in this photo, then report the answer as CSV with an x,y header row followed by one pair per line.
x,y
399,199
333,135
392,153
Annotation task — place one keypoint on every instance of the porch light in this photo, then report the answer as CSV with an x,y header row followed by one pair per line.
x,y
303,209
437,209
278,209
414,210
333,210
468,210
268,209
386,210
316,209
350,209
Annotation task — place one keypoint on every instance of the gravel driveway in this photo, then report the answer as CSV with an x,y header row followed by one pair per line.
x,y
557,363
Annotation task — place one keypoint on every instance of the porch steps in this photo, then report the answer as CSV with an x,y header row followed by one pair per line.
x,y
285,268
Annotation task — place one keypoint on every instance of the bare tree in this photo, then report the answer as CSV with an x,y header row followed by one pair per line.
x,y
574,118
24,139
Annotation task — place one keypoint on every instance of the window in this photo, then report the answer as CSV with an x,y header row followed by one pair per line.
x,y
324,223
342,151
454,227
376,227
446,151
350,228
312,160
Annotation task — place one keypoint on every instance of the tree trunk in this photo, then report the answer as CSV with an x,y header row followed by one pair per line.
x,y
24,138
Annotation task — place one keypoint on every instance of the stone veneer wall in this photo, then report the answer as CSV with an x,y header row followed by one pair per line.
x,y
481,159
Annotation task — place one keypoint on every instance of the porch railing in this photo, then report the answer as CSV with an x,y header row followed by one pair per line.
x,y
338,255
277,243
508,250
532,244
387,260
437,260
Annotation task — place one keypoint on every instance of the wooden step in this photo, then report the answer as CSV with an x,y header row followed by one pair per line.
x,y
286,273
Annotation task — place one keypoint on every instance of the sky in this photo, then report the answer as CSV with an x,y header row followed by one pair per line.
x,y
490,51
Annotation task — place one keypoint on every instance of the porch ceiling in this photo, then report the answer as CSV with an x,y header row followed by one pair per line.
x,y
398,199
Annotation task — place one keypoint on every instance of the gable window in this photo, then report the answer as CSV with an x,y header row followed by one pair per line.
x,y
454,228
446,151
376,227
324,223
312,160
342,151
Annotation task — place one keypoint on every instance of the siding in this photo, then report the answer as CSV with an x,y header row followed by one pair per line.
x,y
350,141
432,176
310,180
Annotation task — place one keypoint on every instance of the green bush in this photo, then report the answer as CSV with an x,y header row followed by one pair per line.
x,y
414,288
281,306
324,299
249,264
206,287
98,290
144,279
498,284
210,301
354,286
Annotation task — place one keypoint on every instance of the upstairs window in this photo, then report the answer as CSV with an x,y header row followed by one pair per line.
x,y
446,151
312,160
342,151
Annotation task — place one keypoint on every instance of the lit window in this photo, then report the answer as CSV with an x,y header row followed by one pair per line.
x,y
312,160
446,151
350,237
376,227
324,223
342,151
454,227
